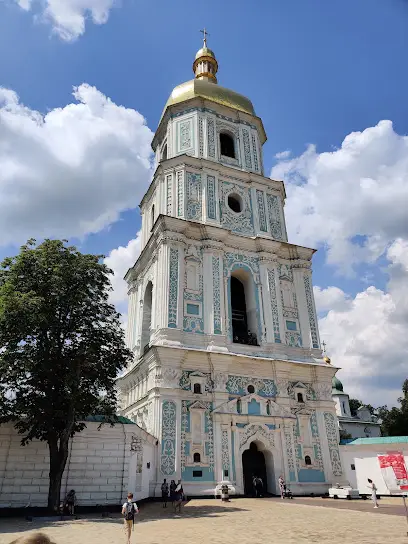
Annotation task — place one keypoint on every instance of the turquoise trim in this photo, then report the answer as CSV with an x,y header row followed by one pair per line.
x,y
292,476
234,476
254,408
187,475
376,440
271,427
241,425
312,475
193,309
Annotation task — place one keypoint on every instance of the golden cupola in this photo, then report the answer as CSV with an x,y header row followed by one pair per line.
x,y
204,85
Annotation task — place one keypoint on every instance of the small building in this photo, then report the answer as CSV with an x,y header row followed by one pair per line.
x,y
360,460
361,425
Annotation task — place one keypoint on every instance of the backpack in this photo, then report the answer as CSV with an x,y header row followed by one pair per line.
x,y
130,511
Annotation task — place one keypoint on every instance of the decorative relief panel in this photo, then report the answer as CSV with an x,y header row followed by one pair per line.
x,y
247,149
173,287
185,381
240,222
239,385
253,429
216,294
255,151
274,217
293,339
310,311
180,194
237,259
194,196
211,202
168,445
332,439
211,137
261,210
224,450
317,450
274,305
288,430
193,290
308,393
185,129
200,137
169,179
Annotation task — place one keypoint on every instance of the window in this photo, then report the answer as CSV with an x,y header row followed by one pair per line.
x,y
239,406
308,461
197,473
344,407
193,309
251,389
197,458
268,409
300,397
148,465
152,216
226,473
164,153
197,388
291,325
235,203
243,308
353,466
227,145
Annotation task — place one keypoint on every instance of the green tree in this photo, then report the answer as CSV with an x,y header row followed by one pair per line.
x,y
355,404
61,347
394,422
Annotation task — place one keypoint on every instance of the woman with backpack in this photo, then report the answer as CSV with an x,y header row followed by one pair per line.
x,y
129,509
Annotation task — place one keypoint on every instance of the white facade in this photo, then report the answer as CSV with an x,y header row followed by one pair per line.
x,y
361,425
360,461
103,465
222,320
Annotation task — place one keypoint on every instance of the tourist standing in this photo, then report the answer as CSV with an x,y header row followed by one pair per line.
x,y
373,487
282,486
173,486
178,497
129,509
165,493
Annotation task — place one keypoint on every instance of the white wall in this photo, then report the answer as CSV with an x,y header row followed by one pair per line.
x,y
364,457
97,467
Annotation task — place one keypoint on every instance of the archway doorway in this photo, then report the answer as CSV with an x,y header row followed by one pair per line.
x,y
253,464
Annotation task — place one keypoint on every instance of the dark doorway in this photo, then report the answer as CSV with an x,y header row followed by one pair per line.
x,y
239,313
253,464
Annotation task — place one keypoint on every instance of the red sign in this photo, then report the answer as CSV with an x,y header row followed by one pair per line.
x,y
394,463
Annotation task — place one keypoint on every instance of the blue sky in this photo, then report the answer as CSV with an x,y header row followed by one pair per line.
x,y
316,71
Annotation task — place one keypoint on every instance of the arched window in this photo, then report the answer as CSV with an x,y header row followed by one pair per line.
x,y
197,458
251,389
197,388
308,461
268,409
300,397
164,153
227,145
243,308
239,406
147,316
152,218
235,203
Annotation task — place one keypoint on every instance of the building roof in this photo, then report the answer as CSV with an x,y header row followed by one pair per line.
x,y
337,387
375,440
98,418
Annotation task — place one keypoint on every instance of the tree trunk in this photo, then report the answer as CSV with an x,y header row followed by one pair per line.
x,y
58,460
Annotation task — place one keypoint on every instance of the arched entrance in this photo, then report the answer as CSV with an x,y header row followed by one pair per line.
x,y
253,464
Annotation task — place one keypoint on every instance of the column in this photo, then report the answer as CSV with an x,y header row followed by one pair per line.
x,y
163,284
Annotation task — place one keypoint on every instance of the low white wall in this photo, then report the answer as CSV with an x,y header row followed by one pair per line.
x,y
100,466
364,458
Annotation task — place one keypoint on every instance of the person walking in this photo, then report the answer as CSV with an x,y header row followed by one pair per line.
x,y
178,497
282,486
373,487
165,493
129,509
173,486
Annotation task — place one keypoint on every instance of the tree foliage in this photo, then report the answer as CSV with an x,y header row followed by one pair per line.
x,y
61,346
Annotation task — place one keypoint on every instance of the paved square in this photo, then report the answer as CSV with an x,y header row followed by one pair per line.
x,y
242,521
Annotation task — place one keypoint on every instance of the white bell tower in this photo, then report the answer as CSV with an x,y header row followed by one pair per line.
x,y
222,320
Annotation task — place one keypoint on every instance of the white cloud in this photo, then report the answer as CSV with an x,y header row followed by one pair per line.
x,y
358,190
68,17
72,171
120,260
366,335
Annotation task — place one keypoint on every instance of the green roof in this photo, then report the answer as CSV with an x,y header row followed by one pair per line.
x,y
378,440
109,419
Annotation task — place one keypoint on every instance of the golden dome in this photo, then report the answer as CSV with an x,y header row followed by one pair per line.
x,y
201,88
205,52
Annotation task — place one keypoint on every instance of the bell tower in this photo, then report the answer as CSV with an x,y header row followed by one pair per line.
x,y
222,319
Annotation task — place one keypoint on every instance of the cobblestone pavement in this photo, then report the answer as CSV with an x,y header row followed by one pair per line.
x,y
242,521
